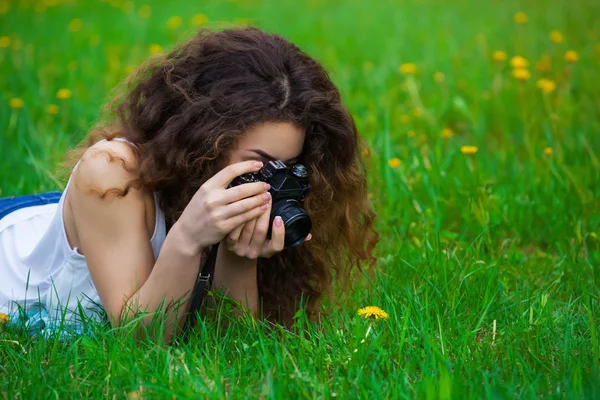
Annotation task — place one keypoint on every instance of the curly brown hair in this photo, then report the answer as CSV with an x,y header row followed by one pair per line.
x,y
186,109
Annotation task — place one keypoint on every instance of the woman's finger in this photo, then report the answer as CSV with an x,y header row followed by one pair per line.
x,y
230,172
277,242
242,206
246,236
235,234
259,236
239,192
240,219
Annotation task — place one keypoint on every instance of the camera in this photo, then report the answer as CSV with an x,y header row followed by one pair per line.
x,y
289,187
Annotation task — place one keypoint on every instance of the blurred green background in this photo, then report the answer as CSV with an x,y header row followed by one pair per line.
x,y
483,120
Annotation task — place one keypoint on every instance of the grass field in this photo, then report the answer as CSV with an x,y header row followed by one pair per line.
x,y
485,175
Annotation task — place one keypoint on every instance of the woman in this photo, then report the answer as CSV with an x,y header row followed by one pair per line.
x,y
220,105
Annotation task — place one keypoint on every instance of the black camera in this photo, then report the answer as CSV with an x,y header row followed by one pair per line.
x,y
289,187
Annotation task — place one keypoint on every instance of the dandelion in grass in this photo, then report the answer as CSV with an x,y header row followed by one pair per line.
x,y
63,94
174,22
75,25
544,64
546,85
548,151
4,42
447,133
521,74
417,111
439,77
145,11
372,312
571,56
519,62
52,109
556,36
499,56
155,48
411,134
408,69
16,103
469,150
3,319
521,18
394,162
199,19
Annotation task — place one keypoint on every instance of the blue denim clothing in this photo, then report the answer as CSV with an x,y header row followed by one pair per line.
x,y
35,318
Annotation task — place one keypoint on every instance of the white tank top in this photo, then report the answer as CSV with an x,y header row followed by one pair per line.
x,y
41,275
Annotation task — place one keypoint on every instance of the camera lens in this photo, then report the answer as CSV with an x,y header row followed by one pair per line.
x,y
296,220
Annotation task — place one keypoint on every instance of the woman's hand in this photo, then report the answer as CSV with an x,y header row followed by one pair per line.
x,y
215,211
250,239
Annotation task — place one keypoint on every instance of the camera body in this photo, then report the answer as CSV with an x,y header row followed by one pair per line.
x,y
289,187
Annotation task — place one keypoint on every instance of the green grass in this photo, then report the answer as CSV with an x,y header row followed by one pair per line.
x,y
489,263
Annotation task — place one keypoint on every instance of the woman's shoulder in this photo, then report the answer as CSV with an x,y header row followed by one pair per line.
x,y
106,166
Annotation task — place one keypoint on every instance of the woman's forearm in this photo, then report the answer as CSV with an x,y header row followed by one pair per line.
x,y
236,276
171,282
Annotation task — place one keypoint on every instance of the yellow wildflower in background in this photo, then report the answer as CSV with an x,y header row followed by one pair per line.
x,y
519,62
447,133
439,77
394,162
63,94
145,11
3,319
499,55
372,312
571,56
366,152
521,74
411,134
52,109
546,85
417,111
521,18
75,25
544,64
4,42
556,36
548,151
16,103
199,19
174,22
155,48
4,7
407,69
468,150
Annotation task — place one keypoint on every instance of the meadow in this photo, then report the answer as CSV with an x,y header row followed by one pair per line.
x,y
483,123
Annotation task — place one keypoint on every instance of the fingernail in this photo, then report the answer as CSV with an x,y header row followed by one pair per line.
x,y
267,186
267,196
258,164
264,206
278,221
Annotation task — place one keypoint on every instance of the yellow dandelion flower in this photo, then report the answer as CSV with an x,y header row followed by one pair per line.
x,y
404,119
3,318
407,68
556,36
447,133
4,42
499,55
199,19
521,74
439,77
521,18
366,152
394,162
16,103
52,109
468,150
155,48
546,85
372,312
63,94
174,22
548,151
544,64
417,111
75,25
145,11
571,56
519,62
411,134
